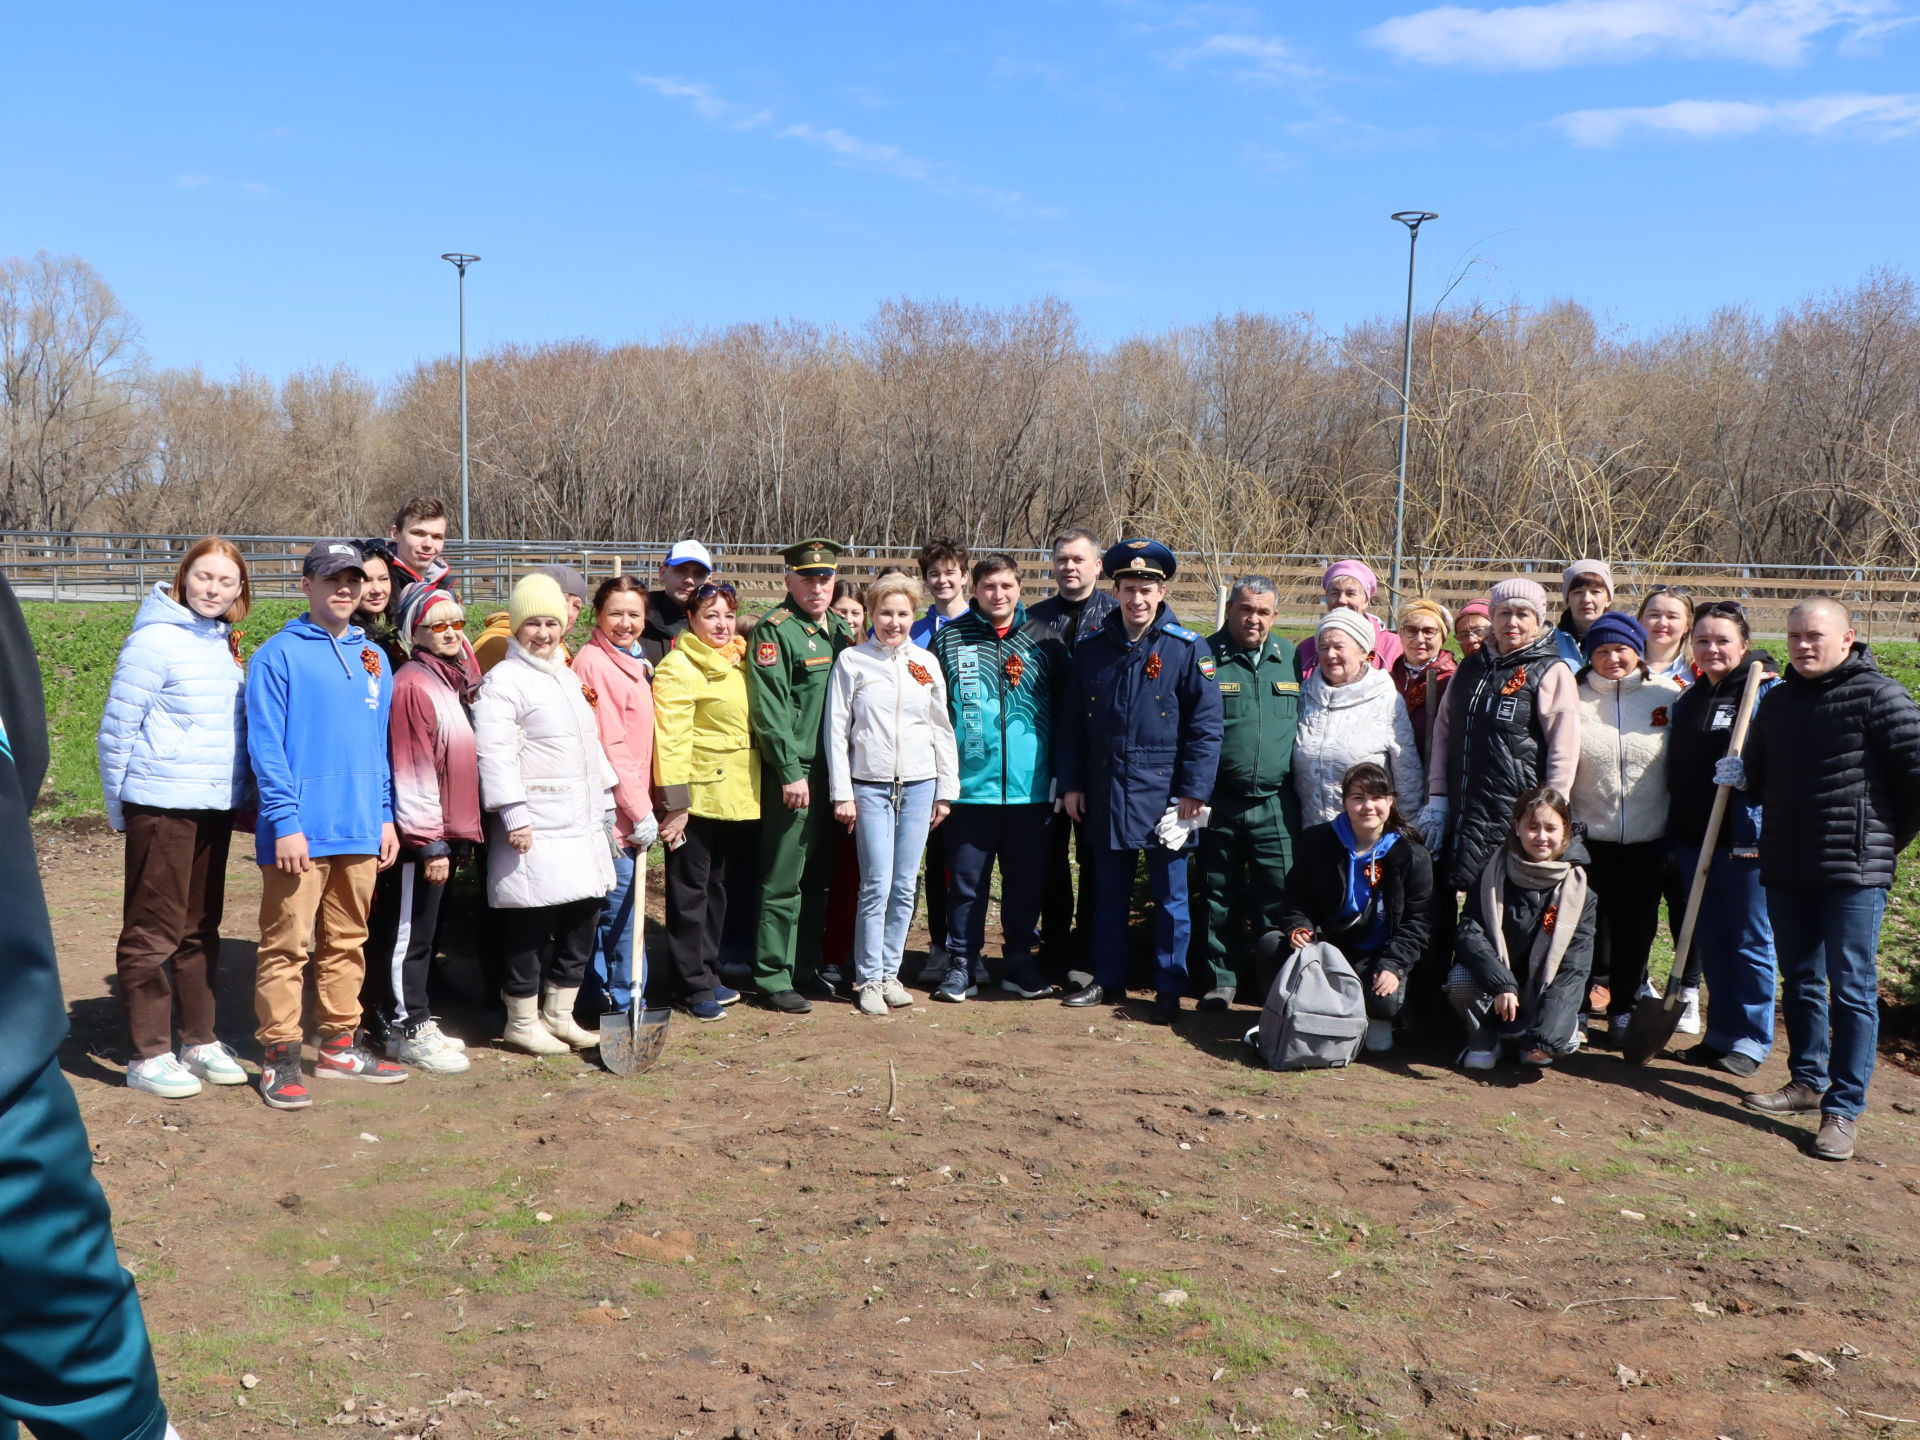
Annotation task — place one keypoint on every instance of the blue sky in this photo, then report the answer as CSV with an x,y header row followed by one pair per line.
x,y
271,185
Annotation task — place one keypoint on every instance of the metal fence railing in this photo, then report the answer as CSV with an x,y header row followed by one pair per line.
x,y
99,566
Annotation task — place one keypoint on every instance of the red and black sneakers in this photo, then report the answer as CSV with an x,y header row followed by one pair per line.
x,y
281,1084
341,1059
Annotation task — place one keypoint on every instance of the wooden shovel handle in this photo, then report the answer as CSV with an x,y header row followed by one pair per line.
x,y
1743,718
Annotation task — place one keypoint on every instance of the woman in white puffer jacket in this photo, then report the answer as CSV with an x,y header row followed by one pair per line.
x,y
1620,797
893,772
548,788
173,768
1350,712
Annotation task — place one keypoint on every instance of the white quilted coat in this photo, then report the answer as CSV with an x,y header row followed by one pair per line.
x,y
1342,725
174,735
1620,788
541,765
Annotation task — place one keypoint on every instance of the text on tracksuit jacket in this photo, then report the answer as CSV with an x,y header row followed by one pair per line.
x,y
317,716
1002,691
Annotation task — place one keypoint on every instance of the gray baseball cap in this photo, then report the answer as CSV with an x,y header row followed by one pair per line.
x,y
330,557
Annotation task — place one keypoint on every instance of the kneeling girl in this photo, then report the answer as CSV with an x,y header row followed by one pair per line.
x,y
1525,945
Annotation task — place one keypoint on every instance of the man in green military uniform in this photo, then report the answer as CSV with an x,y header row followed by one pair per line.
x,y
1247,844
791,654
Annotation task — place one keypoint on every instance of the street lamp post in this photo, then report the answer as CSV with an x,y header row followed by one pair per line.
x,y
461,262
1413,220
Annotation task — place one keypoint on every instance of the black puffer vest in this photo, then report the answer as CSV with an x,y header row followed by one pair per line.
x,y
1496,749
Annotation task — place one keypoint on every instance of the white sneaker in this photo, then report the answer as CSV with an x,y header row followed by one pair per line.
x,y
163,1075
427,1049
1479,1059
214,1063
1579,1034
1689,1011
872,1001
452,1042
897,996
1379,1036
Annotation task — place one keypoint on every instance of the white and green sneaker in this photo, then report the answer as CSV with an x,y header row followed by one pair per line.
x,y
163,1075
214,1063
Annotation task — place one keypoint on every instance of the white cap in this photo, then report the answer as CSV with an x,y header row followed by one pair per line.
x,y
688,552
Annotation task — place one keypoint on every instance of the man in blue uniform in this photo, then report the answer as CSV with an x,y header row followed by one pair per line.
x,y
1137,744
74,1360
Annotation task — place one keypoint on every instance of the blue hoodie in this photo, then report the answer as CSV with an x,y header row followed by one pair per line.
x,y
317,734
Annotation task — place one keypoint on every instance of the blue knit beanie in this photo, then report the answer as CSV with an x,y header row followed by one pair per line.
x,y
1614,628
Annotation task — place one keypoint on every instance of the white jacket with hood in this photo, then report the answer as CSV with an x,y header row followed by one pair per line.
x,y
887,720
174,735
541,765
1341,725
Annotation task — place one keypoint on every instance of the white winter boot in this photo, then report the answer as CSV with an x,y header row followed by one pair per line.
x,y
524,1030
556,1013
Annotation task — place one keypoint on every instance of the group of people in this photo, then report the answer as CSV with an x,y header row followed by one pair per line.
x,y
1487,836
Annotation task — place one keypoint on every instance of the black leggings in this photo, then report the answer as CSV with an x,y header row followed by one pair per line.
x,y
549,946
1627,882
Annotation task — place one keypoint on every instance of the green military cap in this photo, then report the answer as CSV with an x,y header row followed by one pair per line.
x,y
812,557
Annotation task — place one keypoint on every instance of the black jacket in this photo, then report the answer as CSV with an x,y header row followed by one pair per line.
x,y
1521,913
1703,719
1055,618
1316,892
1496,749
1835,765
665,620
33,1014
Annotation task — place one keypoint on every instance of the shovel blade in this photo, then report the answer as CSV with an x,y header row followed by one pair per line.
x,y
650,1039
1652,1026
617,1051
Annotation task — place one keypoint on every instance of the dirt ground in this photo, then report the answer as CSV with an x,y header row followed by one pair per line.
x,y
1000,1219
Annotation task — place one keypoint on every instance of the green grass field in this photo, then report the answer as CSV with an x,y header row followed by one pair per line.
x,y
78,644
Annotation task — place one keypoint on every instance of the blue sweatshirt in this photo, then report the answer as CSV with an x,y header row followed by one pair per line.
x,y
317,734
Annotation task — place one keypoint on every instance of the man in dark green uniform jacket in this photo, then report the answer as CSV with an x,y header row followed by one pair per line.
x,y
74,1360
1247,845
791,653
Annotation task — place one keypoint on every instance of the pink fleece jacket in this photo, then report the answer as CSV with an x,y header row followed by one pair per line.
x,y
622,695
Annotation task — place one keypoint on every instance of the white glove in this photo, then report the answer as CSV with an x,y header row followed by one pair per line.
x,y
644,833
1432,822
1730,770
1173,832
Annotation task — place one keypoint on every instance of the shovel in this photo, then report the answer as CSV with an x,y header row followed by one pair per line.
x,y
633,1038
1656,1016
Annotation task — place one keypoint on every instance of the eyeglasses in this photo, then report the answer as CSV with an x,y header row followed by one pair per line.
x,y
710,589
441,627
1679,591
1721,607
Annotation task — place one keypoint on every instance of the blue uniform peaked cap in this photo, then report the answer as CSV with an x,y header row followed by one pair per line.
x,y
1147,559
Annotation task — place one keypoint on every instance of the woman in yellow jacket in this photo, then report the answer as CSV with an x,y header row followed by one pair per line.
x,y
704,761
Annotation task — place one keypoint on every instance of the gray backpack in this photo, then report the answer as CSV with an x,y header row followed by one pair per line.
x,y
1316,1013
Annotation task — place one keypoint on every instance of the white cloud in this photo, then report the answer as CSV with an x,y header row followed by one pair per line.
x,y
1860,117
1572,32
884,159
705,102
1263,58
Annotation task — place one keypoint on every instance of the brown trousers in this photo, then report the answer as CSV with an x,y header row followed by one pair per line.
x,y
174,896
328,904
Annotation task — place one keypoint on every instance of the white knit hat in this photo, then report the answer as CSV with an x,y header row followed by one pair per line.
x,y
1351,623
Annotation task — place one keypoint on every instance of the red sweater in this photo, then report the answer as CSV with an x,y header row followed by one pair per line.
x,y
436,778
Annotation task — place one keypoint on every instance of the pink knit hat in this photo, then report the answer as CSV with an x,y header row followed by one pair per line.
x,y
1518,591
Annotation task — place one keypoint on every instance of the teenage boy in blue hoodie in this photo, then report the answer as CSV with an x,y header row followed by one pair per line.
x,y
318,694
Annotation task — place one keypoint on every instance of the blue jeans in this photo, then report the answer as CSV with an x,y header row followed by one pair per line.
x,y
1827,938
613,941
1113,904
1733,950
891,840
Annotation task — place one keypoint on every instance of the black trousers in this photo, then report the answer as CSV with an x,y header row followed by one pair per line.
x,y
1066,918
977,838
402,932
549,945
936,886
716,858
1627,882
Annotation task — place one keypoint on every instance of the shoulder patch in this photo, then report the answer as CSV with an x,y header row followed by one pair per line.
x,y
766,653
1183,633
1206,665
775,616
